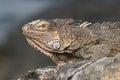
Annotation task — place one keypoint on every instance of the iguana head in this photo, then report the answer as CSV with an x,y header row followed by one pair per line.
x,y
49,35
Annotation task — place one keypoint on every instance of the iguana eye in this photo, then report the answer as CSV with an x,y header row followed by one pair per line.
x,y
43,25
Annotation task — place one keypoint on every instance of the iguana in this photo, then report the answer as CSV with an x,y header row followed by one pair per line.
x,y
71,41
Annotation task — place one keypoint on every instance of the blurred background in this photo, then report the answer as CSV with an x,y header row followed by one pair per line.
x,y
16,56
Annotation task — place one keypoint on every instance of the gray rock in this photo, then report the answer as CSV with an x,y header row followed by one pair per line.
x,y
107,68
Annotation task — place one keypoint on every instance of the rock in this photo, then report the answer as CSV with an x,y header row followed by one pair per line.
x,y
107,68
47,73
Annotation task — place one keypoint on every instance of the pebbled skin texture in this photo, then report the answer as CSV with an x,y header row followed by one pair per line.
x,y
70,41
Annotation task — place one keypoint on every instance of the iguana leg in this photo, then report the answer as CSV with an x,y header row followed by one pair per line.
x,y
55,59
58,62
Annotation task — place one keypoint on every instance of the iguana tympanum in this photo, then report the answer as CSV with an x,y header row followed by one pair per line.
x,y
70,41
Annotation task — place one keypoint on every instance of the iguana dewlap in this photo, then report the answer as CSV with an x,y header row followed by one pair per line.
x,y
68,41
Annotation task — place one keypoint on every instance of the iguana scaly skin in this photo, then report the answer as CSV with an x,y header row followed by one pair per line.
x,y
69,41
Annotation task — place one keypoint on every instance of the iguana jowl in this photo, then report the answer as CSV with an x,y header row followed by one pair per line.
x,y
68,41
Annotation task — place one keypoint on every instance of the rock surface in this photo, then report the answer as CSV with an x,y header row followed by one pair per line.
x,y
107,68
